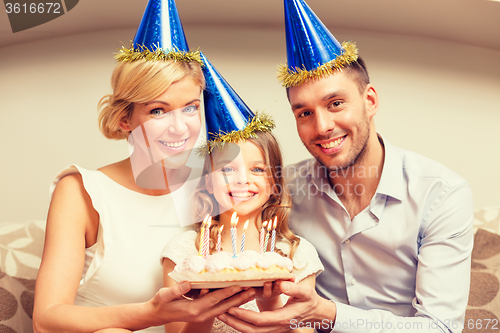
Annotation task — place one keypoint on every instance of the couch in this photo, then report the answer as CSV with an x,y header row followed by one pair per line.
x,y
21,245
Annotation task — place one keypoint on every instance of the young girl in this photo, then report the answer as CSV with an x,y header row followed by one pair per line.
x,y
250,185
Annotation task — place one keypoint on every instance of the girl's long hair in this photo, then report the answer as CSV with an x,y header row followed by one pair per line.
x,y
278,205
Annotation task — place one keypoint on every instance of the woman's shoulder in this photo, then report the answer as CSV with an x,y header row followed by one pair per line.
x,y
75,173
119,171
67,179
68,185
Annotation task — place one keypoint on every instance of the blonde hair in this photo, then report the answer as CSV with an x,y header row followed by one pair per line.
x,y
278,205
140,82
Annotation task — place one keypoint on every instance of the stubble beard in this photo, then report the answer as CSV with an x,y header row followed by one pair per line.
x,y
355,156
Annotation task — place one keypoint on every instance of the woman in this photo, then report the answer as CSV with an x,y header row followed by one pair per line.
x,y
100,267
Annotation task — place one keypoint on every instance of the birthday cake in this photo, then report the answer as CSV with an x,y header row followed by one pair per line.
x,y
248,268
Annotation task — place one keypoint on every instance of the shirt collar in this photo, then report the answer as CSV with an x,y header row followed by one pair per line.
x,y
391,181
304,178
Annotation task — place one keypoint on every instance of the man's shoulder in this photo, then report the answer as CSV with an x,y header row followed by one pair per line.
x,y
301,164
300,170
421,167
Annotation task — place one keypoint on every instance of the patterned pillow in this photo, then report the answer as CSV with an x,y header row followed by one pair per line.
x,y
16,304
483,310
21,247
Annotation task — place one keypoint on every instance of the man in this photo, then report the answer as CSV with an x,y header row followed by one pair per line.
x,y
392,228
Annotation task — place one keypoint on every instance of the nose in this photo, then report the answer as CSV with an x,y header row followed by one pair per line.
x,y
242,178
325,121
177,125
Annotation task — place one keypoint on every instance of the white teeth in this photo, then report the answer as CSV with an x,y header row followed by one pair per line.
x,y
241,194
332,144
173,144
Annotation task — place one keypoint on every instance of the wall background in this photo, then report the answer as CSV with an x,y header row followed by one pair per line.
x,y
438,98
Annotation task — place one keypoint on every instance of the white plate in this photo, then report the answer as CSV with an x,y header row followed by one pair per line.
x,y
224,284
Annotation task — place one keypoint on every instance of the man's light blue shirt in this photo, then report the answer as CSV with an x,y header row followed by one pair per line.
x,y
403,263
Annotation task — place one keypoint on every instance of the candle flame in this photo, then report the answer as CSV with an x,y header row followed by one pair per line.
x,y
221,228
246,226
269,226
264,224
275,222
234,220
205,220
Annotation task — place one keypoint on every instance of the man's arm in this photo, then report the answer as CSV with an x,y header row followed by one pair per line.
x,y
304,306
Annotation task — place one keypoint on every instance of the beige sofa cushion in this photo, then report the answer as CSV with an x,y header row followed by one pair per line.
x,y
21,246
483,310
16,304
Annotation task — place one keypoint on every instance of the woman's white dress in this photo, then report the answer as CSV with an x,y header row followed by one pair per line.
x,y
122,266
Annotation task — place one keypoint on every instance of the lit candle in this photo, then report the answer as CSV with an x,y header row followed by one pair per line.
x,y
234,222
219,238
206,242
243,236
269,225
273,238
262,233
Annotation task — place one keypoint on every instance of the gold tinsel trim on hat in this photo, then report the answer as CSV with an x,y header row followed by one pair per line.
x,y
143,53
297,76
261,122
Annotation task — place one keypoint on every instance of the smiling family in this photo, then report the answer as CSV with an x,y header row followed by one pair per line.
x,y
380,237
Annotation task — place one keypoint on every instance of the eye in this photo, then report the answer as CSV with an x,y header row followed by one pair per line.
x,y
157,112
258,170
227,169
304,114
335,104
190,109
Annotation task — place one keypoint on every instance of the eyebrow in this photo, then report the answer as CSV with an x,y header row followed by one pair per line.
x,y
168,104
297,106
333,95
228,161
325,98
220,163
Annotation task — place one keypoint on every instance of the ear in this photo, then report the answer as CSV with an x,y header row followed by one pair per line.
x,y
125,125
371,101
208,184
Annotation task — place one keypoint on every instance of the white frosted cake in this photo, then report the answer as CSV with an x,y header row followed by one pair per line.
x,y
249,268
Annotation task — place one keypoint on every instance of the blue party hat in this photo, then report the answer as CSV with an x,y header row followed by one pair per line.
x,y
228,118
160,36
312,50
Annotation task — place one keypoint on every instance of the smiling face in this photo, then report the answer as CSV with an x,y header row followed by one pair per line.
x,y
169,124
334,118
240,184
